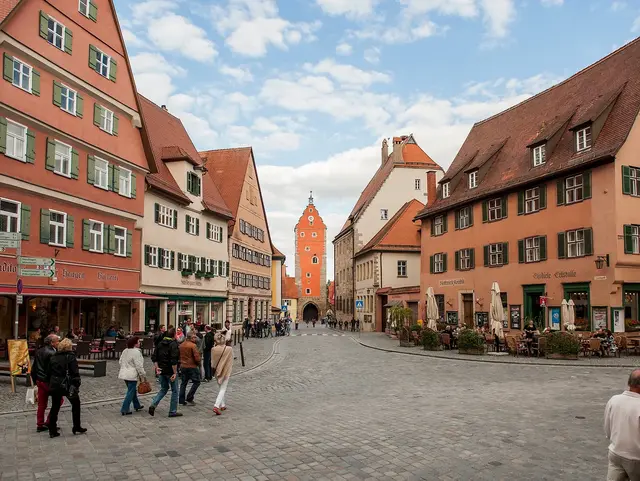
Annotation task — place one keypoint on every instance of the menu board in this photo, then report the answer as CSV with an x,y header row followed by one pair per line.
x,y
514,315
482,319
452,317
554,318
19,362
600,317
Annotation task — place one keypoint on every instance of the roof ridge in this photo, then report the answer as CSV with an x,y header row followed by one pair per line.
x,y
220,150
577,74
159,107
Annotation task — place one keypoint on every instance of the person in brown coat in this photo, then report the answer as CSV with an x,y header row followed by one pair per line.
x,y
189,369
222,361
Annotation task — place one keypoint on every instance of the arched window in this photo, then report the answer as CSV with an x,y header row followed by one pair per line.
x,y
301,234
314,260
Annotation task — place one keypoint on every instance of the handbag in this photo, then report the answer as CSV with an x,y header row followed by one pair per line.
x,y
215,369
31,397
144,387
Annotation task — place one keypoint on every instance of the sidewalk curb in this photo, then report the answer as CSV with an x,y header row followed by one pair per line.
x,y
472,359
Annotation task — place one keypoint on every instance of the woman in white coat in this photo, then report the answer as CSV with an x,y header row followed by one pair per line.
x,y
131,369
222,362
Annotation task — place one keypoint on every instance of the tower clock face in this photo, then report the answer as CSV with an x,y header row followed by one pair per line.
x,y
310,218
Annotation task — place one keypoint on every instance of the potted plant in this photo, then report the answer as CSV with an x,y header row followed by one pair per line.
x,y
400,318
470,342
431,340
186,272
562,345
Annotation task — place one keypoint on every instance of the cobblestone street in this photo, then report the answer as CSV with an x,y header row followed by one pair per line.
x,y
325,407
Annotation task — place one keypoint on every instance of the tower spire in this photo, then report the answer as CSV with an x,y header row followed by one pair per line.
x,y
311,198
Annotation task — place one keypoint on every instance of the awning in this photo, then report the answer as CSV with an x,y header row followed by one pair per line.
x,y
393,304
180,297
76,293
275,309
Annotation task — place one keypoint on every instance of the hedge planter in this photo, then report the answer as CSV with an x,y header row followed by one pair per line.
x,y
562,345
566,357
431,340
472,351
404,343
470,342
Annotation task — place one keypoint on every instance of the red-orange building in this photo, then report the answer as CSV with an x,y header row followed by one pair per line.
x,y
311,263
72,165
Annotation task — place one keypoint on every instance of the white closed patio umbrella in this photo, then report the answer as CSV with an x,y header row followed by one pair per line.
x,y
432,310
564,313
496,312
572,315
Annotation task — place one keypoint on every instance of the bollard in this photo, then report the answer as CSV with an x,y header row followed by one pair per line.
x,y
241,354
235,337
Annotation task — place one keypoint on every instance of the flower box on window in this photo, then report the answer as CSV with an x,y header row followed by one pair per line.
x,y
186,272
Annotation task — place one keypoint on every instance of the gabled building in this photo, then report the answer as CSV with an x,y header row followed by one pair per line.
x,y
185,241
404,174
234,173
389,265
290,296
72,166
278,271
543,198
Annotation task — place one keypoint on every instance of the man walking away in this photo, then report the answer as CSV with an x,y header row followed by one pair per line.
x,y
39,376
621,426
165,359
207,345
189,369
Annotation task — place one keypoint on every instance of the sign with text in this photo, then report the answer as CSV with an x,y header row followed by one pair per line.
x,y
451,282
35,272
37,261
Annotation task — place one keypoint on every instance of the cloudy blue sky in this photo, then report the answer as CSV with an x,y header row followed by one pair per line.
x,y
314,85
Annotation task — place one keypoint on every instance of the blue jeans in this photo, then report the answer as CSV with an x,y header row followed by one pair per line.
x,y
189,374
165,383
206,360
131,396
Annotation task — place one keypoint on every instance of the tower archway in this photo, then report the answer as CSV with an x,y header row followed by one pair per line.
x,y
310,312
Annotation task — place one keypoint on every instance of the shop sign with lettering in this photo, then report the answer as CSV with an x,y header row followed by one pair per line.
x,y
451,282
557,275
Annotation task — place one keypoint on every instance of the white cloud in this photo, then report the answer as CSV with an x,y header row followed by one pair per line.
x,y
143,11
131,40
372,55
636,25
241,74
616,6
344,49
498,15
552,3
350,8
348,74
174,33
154,76
154,62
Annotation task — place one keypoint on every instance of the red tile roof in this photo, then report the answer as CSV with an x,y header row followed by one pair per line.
x,y
608,89
6,6
276,253
400,233
289,288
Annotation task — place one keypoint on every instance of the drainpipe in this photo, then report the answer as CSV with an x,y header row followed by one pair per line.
x,y
381,286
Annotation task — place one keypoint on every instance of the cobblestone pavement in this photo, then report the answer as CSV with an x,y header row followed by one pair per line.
x,y
326,408
94,389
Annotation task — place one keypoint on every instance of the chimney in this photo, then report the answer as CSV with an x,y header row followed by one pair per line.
x,y
385,150
164,107
396,154
431,187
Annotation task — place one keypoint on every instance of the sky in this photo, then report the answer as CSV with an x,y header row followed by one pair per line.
x,y
315,85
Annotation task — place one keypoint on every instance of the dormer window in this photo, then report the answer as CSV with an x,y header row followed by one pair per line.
x,y
473,179
445,190
539,155
583,139
194,184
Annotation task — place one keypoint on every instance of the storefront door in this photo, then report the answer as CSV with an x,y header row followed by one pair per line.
x,y
532,309
580,295
152,315
467,310
631,304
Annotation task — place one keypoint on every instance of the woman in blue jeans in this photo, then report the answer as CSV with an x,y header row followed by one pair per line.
x,y
131,369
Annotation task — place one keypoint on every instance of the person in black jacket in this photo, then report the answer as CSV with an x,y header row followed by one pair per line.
x,y
165,359
39,376
63,377
207,345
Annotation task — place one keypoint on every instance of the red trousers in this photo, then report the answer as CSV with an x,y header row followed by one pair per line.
x,y
43,400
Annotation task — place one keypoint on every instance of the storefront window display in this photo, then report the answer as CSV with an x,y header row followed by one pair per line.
x,y
631,318
46,312
185,311
579,294
6,317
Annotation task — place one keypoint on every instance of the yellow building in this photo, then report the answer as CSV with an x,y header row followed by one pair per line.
x,y
277,269
290,295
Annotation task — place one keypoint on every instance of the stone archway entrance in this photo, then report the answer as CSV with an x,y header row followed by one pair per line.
x,y
310,312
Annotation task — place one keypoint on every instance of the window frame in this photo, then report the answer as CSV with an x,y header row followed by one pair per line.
x,y
166,259
62,96
446,192
88,3
438,263
23,65
24,140
464,259
192,223
168,214
401,268
534,249
635,238
53,33
495,209
496,254
154,256
91,236
314,260
99,56
574,189
96,169
634,181
535,199
417,184
104,117
460,217
579,244
11,215
438,227
129,180
62,225
307,291
123,238
586,138
55,167
539,153
473,179
314,234
384,214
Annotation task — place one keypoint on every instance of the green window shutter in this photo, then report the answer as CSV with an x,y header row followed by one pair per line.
x,y
91,169
543,196
485,211
25,221
430,264
113,70
116,123
115,184
35,83
588,241
110,177
505,207
586,183
186,223
505,253
472,257
175,219
199,185
79,105
457,218
147,255
562,245
44,226
189,182
197,226
57,93
51,155
75,167
172,259
70,231
543,247
208,230
44,25
31,146
156,211
521,251
7,70
457,260
486,256
626,179
444,262
93,57
134,186
628,239
521,202
444,222
129,243
93,11
97,111
112,239
560,191
470,215
86,235
433,226
3,135
68,40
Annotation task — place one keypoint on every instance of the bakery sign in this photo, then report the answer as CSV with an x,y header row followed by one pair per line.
x,y
452,282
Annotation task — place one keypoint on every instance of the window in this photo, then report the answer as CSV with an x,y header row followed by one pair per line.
x,y
445,190
575,243
101,173
96,233
55,34
301,234
83,7
473,179
438,225
384,214
9,216
314,234
632,239
199,265
402,268
121,242
532,200
106,120
62,159
416,184
21,75
214,232
307,249
124,182
314,260
308,291
184,262
496,254
193,183
464,217
583,138
57,228
438,263
532,249
103,63
308,275
16,141
631,180
152,257
573,189
495,209
192,225
539,155
165,216
166,259
465,259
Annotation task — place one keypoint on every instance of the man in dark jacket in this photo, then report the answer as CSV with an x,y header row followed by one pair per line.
x,y
206,353
189,368
165,359
39,376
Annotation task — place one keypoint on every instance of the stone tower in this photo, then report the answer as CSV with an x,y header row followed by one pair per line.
x,y
311,263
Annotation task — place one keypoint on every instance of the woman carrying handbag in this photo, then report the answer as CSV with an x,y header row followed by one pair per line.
x,y
132,369
222,360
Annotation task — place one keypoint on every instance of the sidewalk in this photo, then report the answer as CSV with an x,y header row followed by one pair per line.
x,y
385,343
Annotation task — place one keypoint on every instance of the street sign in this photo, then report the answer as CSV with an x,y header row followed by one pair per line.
x,y
284,307
35,272
11,244
19,286
10,236
359,304
19,299
37,261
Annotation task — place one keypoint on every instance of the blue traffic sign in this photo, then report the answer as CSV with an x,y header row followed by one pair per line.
x,y
360,304
284,307
19,286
